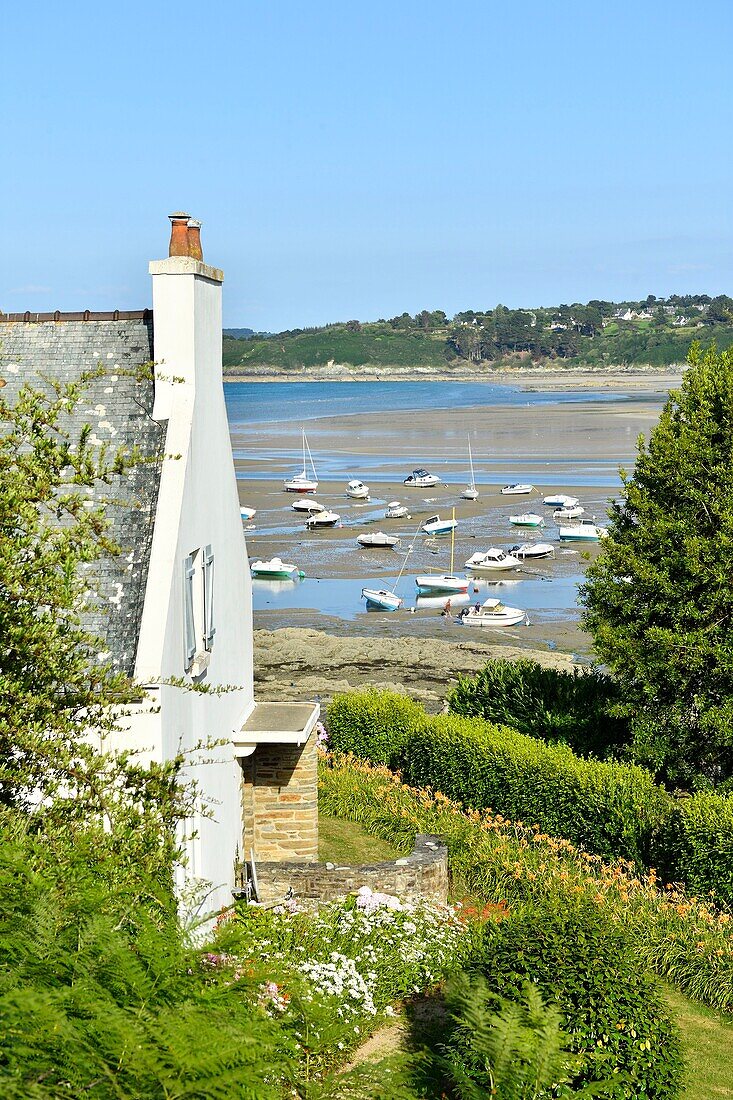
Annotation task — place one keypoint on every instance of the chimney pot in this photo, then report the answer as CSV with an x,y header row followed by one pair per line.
x,y
194,239
179,234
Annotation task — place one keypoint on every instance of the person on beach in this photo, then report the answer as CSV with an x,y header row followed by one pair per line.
x,y
446,610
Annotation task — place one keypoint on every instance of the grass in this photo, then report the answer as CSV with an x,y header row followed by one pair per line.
x,y
707,1039
346,842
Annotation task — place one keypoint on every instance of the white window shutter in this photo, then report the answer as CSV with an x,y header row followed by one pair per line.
x,y
209,628
189,622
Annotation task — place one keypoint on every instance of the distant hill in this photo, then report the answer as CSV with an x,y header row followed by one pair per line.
x,y
657,332
242,333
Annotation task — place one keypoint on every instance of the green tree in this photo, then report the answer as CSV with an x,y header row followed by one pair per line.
x,y
659,599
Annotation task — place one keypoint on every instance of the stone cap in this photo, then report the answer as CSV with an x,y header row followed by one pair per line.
x,y
185,265
276,724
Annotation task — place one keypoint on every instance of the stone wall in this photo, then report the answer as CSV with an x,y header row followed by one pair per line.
x,y
422,874
280,802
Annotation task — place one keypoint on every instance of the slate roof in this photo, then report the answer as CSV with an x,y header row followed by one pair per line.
x,y
118,408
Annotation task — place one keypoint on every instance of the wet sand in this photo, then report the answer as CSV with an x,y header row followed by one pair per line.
x,y
571,448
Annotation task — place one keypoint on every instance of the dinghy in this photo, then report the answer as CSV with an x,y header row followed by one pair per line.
x,y
492,612
301,483
527,519
307,506
276,569
493,559
378,539
568,513
395,510
421,479
357,490
247,513
517,490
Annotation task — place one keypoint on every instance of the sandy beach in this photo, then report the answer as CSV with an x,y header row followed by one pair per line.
x,y
318,649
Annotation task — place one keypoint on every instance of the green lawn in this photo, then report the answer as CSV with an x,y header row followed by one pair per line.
x,y
346,842
707,1038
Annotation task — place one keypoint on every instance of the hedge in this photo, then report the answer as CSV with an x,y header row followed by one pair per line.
x,y
695,846
607,808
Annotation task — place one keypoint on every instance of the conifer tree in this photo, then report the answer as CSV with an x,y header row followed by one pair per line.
x,y
659,598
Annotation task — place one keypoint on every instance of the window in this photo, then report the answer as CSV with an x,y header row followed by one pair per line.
x,y
198,609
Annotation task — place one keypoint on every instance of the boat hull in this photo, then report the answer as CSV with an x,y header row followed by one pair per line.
x,y
534,550
511,616
470,494
442,583
378,541
526,521
577,534
517,490
296,486
381,600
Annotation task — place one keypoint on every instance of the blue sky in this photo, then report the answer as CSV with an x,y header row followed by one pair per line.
x,y
359,159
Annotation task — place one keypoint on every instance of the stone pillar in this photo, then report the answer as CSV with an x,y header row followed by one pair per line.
x,y
280,802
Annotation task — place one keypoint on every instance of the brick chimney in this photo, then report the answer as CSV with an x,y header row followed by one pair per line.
x,y
194,239
179,234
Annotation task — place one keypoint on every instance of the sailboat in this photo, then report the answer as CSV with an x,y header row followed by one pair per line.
x,y
386,599
443,582
470,492
301,483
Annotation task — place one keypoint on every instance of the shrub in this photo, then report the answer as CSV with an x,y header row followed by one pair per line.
x,y
573,706
608,808
684,939
696,845
584,964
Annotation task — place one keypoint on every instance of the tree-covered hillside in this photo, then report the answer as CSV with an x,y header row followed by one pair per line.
x,y
655,331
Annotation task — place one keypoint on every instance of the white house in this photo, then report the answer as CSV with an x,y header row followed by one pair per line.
x,y
175,608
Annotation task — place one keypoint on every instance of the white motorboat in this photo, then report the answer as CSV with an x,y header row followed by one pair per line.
x,y
470,492
533,550
493,612
560,500
489,562
568,513
378,539
381,599
323,519
437,526
585,531
527,519
517,490
276,569
302,483
395,510
247,513
357,490
443,582
421,479
305,505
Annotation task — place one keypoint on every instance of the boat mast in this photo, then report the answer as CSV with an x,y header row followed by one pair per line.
x,y
470,460
310,456
404,563
452,540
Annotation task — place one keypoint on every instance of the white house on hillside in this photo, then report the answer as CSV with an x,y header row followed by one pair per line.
x,y
176,605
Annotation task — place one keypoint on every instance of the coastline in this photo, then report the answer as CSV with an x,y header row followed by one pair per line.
x,y
637,378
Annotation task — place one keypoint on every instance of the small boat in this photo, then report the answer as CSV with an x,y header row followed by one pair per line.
x,y
357,490
385,599
470,492
305,505
437,526
301,483
493,559
585,531
378,539
443,582
381,599
527,519
533,550
395,510
561,500
421,479
276,569
247,513
492,612
517,490
323,519
568,513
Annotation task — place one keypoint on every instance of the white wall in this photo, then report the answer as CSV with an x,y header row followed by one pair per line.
x,y
198,505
